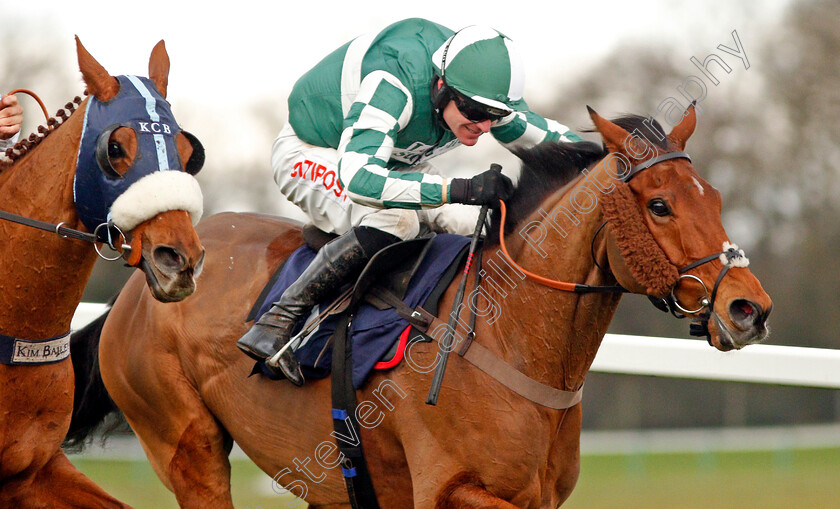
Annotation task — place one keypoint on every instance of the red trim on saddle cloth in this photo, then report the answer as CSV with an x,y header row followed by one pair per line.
x,y
398,356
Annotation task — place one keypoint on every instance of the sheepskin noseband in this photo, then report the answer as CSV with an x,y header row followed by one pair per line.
x,y
155,193
644,258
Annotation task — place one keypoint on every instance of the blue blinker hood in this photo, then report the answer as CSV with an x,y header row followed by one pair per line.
x,y
139,106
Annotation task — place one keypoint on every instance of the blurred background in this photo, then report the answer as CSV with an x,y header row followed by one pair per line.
x,y
764,139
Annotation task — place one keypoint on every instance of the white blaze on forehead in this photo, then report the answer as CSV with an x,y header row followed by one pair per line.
x,y
699,186
158,192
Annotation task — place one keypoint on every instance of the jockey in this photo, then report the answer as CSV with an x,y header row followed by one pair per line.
x,y
11,117
362,124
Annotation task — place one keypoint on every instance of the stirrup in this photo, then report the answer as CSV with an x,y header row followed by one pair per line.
x,y
290,370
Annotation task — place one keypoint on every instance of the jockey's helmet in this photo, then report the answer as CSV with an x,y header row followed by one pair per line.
x,y
482,65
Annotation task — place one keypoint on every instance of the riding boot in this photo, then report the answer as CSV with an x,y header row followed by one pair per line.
x,y
334,265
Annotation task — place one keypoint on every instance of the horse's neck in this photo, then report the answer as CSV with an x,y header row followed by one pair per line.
x,y
42,275
553,335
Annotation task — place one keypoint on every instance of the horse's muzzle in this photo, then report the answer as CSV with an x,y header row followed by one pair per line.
x,y
749,325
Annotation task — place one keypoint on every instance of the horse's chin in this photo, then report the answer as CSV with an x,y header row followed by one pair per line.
x,y
168,288
726,338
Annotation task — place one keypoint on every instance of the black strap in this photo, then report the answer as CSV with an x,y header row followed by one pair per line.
x,y
580,288
699,262
417,317
354,468
656,160
58,229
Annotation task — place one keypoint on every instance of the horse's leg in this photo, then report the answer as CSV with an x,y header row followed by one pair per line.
x,y
59,485
184,443
466,491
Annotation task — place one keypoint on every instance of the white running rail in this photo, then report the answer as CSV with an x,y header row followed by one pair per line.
x,y
683,358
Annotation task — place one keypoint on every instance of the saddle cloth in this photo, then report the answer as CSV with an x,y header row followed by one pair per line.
x,y
373,331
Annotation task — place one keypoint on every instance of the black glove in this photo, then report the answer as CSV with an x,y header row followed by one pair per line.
x,y
484,189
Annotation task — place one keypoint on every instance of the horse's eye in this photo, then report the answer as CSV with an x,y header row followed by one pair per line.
x,y
659,208
115,150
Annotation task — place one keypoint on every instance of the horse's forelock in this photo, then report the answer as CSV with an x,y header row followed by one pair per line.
x,y
649,128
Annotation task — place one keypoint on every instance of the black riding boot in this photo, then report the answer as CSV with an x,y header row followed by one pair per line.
x,y
335,264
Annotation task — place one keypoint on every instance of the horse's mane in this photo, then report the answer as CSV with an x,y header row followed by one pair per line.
x,y
22,147
550,165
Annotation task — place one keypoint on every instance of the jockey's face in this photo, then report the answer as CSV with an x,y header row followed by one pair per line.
x,y
463,128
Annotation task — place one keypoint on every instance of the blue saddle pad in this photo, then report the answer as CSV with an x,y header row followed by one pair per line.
x,y
373,331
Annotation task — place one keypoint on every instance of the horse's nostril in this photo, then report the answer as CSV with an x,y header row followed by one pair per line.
x,y
746,313
199,266
168,258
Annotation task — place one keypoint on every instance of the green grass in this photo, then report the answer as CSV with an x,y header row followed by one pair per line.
x,y
789,479
785,479
135,483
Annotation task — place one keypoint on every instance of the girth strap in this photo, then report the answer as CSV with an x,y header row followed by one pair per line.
x,y
485,360
518,382
348,437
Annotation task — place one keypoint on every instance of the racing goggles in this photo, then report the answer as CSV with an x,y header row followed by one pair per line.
x,y
475,111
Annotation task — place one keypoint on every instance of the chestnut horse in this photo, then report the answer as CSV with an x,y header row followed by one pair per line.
x,y
184,387
43,275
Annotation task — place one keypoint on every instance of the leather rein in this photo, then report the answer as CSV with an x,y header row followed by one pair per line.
x,y
106,233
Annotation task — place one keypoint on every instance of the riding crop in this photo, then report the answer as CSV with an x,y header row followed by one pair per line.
x,y
446,346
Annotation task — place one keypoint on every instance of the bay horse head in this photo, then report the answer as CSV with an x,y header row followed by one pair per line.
x,y
666,238
135,170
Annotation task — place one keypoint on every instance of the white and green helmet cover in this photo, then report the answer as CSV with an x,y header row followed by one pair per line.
x,y
484,65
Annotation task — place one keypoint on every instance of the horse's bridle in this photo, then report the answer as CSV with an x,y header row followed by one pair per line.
x,y
106,233
730,257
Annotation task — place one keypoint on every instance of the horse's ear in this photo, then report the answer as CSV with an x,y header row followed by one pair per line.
x,y
613,135
680,134
159,68
99,83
